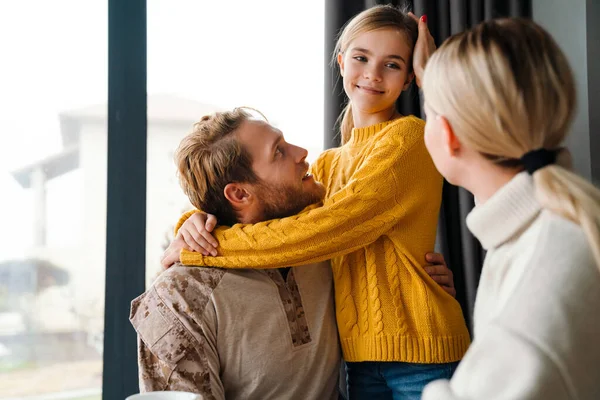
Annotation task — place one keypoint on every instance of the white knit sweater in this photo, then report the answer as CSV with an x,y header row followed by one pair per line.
x,y
537,313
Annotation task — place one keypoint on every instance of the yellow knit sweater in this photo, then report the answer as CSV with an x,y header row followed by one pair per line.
x,y
376,224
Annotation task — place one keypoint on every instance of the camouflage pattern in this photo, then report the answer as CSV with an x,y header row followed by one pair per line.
x,y
222,333
169,356
292,303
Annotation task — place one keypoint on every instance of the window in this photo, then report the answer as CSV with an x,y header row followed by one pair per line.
x,y
205,56
53,187
202,57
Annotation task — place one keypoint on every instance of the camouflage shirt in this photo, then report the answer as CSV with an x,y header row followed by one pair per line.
x,y
239,334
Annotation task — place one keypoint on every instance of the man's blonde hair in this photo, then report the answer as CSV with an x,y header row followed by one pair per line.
x,y
209,158
507,89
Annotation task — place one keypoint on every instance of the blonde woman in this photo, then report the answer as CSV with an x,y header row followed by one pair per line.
x,y
499,100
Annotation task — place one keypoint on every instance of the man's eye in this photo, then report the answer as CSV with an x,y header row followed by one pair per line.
x,y
278,152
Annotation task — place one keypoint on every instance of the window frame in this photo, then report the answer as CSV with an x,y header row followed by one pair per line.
x,y
126,192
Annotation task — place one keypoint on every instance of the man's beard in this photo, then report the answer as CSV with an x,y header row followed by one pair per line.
x,y
280,201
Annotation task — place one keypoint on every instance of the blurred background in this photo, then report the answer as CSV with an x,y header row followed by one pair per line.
x,y
202,56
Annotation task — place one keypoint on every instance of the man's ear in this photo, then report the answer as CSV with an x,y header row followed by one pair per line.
x,y
238,195
340,61
409,79
451,142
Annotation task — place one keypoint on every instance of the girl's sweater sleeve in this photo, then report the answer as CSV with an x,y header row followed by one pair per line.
x,y
367,207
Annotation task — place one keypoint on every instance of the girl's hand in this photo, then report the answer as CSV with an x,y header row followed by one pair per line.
x,y
439,272
195,232
424,48
194,235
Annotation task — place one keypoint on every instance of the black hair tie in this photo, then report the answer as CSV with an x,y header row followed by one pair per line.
x,y
536,159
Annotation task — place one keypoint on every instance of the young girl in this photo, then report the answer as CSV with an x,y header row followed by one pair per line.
x,y
398,329
499,100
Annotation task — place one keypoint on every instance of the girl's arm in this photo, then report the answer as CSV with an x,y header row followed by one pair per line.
x,y
194,228
367,207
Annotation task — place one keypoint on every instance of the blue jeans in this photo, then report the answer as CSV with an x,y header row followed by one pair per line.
x,y
393,380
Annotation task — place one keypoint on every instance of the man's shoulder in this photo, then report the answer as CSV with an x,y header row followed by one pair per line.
x,y
172,327
180,278
177,288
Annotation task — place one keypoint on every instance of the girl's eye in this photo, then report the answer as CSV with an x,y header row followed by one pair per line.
x,y
360,58
393,66
278,152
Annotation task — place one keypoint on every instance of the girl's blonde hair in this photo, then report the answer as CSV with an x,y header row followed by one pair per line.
x,y
377,17
507,89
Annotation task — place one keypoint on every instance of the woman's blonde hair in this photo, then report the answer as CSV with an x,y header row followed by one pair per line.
x,y
374,18
507,89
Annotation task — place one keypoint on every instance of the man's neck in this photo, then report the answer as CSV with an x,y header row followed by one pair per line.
x,y
249,217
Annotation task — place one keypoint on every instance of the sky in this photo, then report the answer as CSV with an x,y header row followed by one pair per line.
x,y
267,54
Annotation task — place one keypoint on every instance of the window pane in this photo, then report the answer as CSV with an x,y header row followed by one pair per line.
x,y
53,187
213,55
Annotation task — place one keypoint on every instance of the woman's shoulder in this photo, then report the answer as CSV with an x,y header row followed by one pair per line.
x,y
561,231
562,246
557,289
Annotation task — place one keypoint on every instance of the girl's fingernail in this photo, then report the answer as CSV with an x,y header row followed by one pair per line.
x,y
424,18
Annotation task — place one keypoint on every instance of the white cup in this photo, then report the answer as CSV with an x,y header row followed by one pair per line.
x,y
165,396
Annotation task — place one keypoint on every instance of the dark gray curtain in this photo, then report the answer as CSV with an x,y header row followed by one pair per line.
x,y
463,253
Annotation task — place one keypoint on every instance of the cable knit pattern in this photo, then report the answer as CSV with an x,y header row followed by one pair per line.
x,y
377,221
374,293
345,308
391,263
358,258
